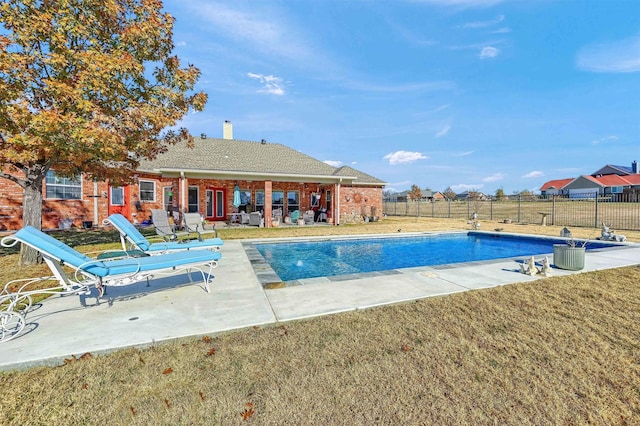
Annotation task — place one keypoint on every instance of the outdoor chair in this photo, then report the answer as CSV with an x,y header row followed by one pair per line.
x,y
193,222
308,217
295,215
255,218
244,218
163,227
132,239
88,273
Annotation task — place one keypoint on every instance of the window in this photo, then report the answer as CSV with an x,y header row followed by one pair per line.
x,y
328,197
147,190
167,193
62,187
293,201
245,200
277,200
117,196
193,200
260,201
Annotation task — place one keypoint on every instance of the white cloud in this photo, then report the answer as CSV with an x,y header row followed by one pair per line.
x,y
533,174
354,162
489,52
494,178
618,56
443,131
181,43
605,139
502,30
461,187
402,157
333,163
271,84
463,154
484,24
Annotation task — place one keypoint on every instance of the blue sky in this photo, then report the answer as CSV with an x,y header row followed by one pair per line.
x,y
467,94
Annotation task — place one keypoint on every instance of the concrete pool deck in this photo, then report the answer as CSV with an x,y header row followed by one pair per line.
x,y
172,308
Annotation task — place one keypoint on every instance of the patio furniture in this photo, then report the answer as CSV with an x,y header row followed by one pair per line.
x,y
255,219
163,227
88,273
308,217
294,216
132,239
193,222
322,215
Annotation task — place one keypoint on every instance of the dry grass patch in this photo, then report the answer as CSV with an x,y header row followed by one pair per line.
x,y
563,350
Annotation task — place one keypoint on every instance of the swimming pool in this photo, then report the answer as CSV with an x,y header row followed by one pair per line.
x,y
297,260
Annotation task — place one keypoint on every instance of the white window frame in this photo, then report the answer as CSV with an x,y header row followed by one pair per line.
x,y
112,197
145,193
190,205
63,183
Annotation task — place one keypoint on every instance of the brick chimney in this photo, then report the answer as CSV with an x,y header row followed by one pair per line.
x,y
227,130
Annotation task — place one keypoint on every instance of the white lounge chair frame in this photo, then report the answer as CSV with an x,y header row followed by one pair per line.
x,y
88,273
132,239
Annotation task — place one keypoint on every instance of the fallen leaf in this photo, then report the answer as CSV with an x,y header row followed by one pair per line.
x,y
133,411
201,395
406,348
167,370
206,339
85,386
166,401
86,355
248,412
212,351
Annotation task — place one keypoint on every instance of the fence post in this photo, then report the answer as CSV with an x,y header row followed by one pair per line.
x,y
449,212
490,208
418,208
553,210
519,202
468,208
596,212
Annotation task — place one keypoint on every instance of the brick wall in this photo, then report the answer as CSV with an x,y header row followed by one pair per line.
x,y
355,202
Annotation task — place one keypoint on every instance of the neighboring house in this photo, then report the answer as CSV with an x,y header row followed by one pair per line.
x,y
555,187
471,195
202,179
607,180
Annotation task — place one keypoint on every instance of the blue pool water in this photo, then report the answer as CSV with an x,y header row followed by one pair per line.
x,y
309,259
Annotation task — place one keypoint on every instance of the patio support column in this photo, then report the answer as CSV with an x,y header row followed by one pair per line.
x,y
182,192
336,214
268,185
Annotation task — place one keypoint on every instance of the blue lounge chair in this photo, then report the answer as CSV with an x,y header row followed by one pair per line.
x,y
88,273
131,238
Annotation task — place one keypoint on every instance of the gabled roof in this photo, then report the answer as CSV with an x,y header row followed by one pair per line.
x,y
555,184
611,169
362,178
230,158
615,180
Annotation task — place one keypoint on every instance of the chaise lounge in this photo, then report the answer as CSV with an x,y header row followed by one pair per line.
x,y
88,273
131,238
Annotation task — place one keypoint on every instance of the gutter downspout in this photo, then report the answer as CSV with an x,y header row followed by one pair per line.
x,y
337,218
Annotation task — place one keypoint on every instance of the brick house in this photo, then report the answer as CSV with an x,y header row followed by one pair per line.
x,y
202,179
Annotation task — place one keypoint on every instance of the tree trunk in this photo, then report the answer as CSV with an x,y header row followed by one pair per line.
x,y
32,214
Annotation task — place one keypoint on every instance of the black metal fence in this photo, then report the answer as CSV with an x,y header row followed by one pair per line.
x,y
619,211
